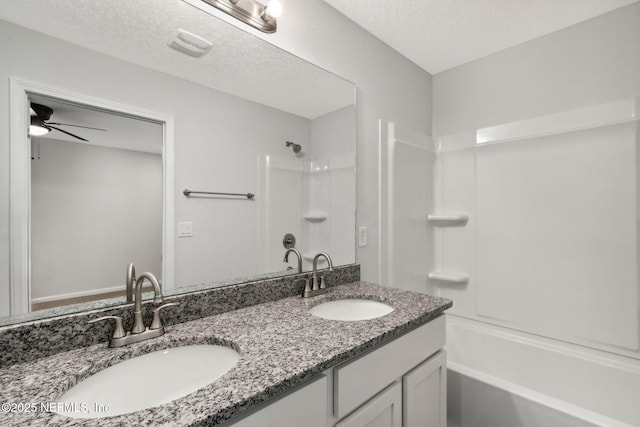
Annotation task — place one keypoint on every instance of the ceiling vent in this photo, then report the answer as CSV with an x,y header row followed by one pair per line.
x,y
190,44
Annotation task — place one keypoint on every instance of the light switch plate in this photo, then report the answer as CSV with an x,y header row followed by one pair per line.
x,y
363,235
185,229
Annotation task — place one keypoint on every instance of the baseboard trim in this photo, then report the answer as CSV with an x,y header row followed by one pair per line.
x,y
77,294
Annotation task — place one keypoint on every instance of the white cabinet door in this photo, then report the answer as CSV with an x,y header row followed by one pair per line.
x,y
384,410
307,406
424,393
357,381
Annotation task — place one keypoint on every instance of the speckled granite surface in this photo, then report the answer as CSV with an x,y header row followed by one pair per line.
x,y
41,338
280,343
116,301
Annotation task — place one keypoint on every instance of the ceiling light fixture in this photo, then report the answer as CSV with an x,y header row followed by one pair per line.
x,y
251,12
37,128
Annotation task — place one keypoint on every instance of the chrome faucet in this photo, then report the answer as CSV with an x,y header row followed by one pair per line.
x,y
317,287
297,252
139,332
138,323
131,281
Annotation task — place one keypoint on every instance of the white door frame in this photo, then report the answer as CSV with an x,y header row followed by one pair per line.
x,y
20,183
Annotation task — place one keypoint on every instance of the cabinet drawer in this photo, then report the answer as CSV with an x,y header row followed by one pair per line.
x,y
357,381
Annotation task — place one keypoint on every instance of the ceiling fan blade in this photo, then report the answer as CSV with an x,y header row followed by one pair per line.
x,y
75,126
68,133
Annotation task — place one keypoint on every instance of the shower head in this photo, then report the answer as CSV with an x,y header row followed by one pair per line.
x,y
296,147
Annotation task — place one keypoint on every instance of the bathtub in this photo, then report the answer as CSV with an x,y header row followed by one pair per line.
x,y
498,377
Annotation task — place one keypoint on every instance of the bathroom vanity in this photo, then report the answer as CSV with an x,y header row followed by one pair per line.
x,y
294,368
409,391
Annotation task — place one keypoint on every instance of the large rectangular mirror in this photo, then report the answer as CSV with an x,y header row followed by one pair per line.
x,y
245,117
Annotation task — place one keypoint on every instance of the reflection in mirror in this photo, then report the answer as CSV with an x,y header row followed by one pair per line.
x,y
233,114
95,204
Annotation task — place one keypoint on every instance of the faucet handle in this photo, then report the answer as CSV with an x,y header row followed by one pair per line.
x,y
118,331
307,285
156,323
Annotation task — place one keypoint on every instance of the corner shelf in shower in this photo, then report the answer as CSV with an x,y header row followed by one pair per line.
x,y
447,219
449,277
315,216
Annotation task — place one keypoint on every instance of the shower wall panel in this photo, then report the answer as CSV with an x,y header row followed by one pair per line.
x,y
557,236
408,160
280,210
552,303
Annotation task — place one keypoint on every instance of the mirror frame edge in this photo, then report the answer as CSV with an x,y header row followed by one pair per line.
x,y
20,188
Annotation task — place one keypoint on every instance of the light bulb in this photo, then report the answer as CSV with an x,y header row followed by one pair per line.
x,y
273,9
38,130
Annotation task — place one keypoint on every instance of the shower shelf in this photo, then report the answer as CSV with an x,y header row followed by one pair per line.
x,y
315,216
444,276
448,219
310,255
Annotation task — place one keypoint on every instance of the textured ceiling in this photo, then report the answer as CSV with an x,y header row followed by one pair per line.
x,y
435,34
442,34
139,32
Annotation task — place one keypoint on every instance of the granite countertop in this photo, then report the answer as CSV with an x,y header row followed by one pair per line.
x,y
281,345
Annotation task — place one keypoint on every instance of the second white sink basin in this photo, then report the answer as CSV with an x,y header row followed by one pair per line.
x,y
147,381
351,309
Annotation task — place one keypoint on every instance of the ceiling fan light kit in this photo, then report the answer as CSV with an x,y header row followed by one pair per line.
x,y
37,126
41,126
36,129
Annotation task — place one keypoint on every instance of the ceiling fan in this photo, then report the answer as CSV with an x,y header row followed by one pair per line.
x,y
40,125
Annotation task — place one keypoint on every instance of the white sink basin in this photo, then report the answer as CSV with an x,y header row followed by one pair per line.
x,y
351,309
148,380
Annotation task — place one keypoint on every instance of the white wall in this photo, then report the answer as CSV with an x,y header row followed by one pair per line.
x,y
93,210
587,64
551,243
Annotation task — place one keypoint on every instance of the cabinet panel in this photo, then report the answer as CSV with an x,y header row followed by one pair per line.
x,y
355,382
384,410
306,406
424,394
